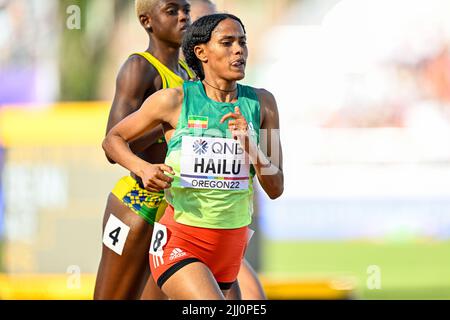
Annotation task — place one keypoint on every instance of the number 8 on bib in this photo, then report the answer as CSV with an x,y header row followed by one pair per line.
x,y
159,240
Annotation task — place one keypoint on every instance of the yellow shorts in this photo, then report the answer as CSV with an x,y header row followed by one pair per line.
x,y
149,205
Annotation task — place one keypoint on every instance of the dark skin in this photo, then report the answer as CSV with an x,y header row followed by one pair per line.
x,y
223,59
136,81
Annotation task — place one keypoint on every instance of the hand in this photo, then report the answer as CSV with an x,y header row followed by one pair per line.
x,y
238,125
153,177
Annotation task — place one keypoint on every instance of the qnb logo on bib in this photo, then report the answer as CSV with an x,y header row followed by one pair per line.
x,y
200,146
213,163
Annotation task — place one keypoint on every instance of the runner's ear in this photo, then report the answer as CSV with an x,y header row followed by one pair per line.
x,y
200,52
146,22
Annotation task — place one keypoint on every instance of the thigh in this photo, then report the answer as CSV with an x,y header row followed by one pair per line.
x,y
234,293
194,281
251,287
112,282
152,291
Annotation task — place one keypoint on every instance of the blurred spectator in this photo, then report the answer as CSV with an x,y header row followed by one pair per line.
x,y
201,8
436,75
1,194
407,87
28,59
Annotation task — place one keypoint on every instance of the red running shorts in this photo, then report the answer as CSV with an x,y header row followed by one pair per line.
x,y
177,245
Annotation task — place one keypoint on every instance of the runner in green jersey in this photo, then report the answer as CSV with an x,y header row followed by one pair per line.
x,y
212,127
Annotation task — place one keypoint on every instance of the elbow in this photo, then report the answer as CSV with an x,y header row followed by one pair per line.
x,y
276,193
105,145
109,159
274,189
105,149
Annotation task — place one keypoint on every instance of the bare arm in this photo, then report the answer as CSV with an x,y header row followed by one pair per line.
x,y
136,80
161,107
269,167
267,158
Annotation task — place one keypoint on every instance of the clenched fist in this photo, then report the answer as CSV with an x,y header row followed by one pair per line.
x,y
153,177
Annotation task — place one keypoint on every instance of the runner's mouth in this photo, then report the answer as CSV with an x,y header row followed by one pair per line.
x,y
238,63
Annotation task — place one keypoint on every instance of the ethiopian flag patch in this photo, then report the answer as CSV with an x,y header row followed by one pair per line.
x,y
198,122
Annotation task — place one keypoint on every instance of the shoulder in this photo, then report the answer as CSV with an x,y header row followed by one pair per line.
x,y
264,96
170,97
268,104
266,99
137,68
163,104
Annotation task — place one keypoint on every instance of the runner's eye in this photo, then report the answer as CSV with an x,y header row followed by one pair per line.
x,y
171,12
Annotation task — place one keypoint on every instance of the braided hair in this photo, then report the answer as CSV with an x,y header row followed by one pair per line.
x,y
200,32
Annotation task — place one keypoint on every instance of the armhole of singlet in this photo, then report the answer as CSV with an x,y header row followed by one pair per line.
x,y
183,111
161,74
255,95
252,92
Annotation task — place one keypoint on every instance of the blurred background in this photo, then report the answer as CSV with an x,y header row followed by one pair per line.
x,y
363,90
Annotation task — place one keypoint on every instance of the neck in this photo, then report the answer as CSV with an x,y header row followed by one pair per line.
x,y
220,90
168,55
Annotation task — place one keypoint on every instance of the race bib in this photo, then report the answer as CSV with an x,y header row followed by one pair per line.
x,y
213,163
159,240
115,234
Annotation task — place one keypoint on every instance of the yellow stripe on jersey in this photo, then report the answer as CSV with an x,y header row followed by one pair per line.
x,y
169,78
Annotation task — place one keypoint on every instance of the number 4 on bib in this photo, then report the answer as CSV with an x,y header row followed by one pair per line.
x,y
115,234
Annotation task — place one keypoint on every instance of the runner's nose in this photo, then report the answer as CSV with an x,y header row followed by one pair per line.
x,y
183,16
